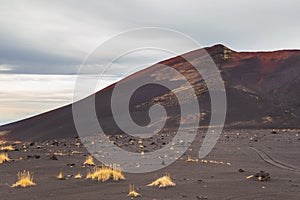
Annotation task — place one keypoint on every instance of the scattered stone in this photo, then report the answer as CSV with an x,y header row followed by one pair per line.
x,y
262,176
274,132
78,140
199,181
131,141
53,157
34,156
55,143
241,170
201,197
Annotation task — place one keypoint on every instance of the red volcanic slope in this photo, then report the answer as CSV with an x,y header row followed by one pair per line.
x,y
262,92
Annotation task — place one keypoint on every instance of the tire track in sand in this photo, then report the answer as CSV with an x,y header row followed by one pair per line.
x,y
262,196
267,158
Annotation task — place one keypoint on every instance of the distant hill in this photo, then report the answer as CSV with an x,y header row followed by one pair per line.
x,y
262,92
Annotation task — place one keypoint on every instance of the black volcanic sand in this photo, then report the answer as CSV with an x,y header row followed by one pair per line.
x,y
248,152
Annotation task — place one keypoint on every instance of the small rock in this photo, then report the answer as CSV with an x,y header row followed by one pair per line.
x,y
274,132
262,176
71,164
53,157
201,197
35,156
199,181
241,170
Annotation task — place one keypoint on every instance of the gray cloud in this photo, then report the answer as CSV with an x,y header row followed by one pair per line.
x,y
55,36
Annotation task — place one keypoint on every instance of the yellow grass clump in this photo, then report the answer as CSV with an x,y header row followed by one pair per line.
x,y
78,176
105,173
4,158
216,162
251,176
163,182
89,161
7,148
132,192
60,176
25,179
189,159
2,141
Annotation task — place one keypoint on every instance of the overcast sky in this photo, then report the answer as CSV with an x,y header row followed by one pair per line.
x,y
42,43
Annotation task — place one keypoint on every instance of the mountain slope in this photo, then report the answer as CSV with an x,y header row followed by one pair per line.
x,y
262,92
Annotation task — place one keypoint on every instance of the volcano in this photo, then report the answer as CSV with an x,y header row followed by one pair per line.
x,y
262,90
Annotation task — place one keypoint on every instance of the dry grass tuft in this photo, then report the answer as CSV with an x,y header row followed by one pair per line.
x,y
216,162
89,161
2,141
7,148
60,176
78,176
4,158
189,159
163,182
25,179
132,192
261,176
251,176
105,173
